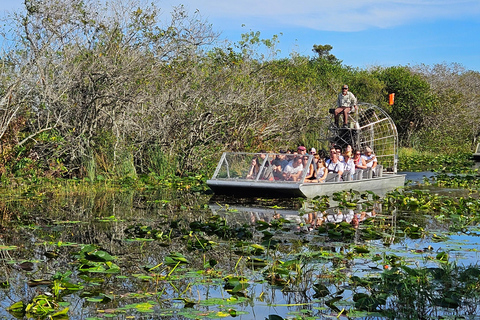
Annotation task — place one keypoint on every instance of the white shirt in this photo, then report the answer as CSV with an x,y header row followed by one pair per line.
x,y
334,167
369,164
290,169
349,166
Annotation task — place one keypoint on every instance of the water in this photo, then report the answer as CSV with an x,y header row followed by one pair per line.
x,y
140,229
417,177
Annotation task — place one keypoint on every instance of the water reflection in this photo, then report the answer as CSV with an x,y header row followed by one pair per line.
x,y
415,178
304,219
317,219
141,229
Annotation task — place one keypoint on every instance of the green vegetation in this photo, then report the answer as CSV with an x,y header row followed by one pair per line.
x,y
174,257
112,119
413,160
89,91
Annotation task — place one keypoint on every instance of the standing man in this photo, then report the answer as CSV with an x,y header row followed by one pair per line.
x,y
345,102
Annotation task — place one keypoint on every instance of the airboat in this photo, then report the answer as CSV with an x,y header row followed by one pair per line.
x,y
370,127
476,154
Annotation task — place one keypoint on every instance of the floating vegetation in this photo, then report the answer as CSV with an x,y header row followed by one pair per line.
x,y
409,255
457,163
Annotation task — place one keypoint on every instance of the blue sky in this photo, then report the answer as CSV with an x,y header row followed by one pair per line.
x,y
363,33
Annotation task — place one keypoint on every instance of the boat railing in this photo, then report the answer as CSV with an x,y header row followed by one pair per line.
x,y
257,167
369,126
237,166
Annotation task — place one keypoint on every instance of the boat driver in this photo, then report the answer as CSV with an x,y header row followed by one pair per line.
x,y
346,103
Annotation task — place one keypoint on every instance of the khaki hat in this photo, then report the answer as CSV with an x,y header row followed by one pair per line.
x,y
368,149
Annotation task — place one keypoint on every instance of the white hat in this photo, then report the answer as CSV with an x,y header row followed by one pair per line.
x,y
313,150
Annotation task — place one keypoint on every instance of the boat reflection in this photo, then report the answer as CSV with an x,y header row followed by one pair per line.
x,y
337,215
303,219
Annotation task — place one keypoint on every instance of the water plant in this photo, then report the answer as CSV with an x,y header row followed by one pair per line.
x,y
219,264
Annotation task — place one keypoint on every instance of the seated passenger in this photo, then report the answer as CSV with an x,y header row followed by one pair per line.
x,y
321,171
293,171
348,148
359,161
334,165
370,158
312,169
279,164
323,154
254,168
348,164
290,158
339,153
267,171
301,150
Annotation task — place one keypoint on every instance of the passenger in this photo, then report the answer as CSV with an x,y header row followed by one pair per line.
x,y
346,103
348,148
292,172
316,157
359,161
348,164
334,165
370,158
323,154
254,168
313,151
302,150
267,171
321,171
290,158
339,153
312,169
279,164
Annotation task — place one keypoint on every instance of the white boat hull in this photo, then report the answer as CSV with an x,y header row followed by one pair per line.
x,y
277,189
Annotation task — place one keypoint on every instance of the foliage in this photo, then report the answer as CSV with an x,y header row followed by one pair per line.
x,y
114,91
423,161
413,100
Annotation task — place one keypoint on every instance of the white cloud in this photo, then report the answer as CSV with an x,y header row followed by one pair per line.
x,y
323,15
347,15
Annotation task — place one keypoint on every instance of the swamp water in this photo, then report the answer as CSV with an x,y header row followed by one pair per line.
x,y
168,255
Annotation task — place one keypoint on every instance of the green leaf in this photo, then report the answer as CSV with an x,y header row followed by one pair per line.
x,y
60,314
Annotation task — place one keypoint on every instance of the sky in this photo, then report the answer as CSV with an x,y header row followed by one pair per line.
x,y
363,33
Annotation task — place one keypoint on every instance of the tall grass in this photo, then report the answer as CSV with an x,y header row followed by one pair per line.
x,y
90,168
159,162
125,166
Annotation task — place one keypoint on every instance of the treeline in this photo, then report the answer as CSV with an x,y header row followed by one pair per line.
x,y
89,90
